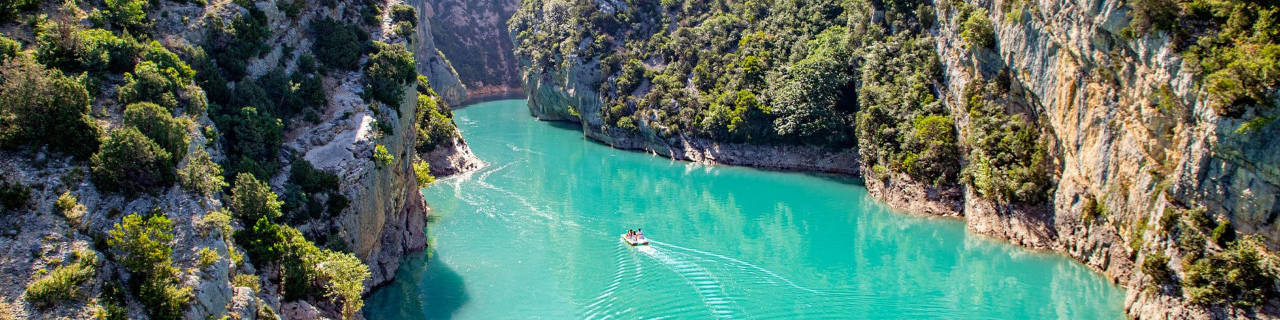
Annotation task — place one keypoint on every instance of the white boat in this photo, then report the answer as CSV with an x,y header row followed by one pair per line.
x,y
637,241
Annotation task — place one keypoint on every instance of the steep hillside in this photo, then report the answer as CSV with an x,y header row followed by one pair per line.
x,y
1135,137
212,159
473,36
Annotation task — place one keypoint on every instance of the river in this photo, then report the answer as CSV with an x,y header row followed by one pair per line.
x,y
535,234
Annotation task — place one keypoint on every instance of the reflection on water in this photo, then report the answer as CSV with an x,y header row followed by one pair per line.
x,y
534,234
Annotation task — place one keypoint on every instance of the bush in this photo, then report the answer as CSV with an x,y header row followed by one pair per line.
x,y
1008,160
1223,234
977,31
143,243
1152,15
1156,265
206,257
124,14
70,208
232,46
404,13
338,45
9,48
381,156
252,200
201,174
157,124
422,170
343,276
434,127
43,107
130,162
71,49
389,68
250,136
14,196
312,180
64,283
152,82
1236,276
246,280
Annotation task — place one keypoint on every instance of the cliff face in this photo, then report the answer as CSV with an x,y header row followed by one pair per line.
x,y
1112,145
1123,171
431,62
472,34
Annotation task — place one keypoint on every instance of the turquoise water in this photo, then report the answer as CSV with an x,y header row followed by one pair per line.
x,y
534,234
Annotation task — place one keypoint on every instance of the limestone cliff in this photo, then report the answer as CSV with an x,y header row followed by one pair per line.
x,y
473,35
1123,171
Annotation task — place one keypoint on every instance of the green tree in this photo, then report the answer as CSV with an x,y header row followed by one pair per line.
x,y
338,45
252,200
143,243
343,276
130,162
977,31
201,174
389,68
43,107
157,124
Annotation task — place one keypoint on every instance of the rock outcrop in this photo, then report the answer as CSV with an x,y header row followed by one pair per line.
x,y
468,49
1094,93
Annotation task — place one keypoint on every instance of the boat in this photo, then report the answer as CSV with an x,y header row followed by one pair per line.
x,y
639,241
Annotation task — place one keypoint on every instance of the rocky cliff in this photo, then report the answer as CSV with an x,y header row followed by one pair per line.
x,y
471,37
1134,144
383,220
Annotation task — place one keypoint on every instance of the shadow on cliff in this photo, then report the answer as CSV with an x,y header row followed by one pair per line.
x,y
424,288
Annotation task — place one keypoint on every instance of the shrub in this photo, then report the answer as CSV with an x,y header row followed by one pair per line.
x,y
71,49
1236,276
201,174
338,45
231,46
434,127
1156,265
246,280
404,13
130,162
252,200
43,107
215,220
1152,15
422,170
343,276
381,156
70,208
152,82
145,249
312,180
1223,234
389,68
1007,156
124,14
206,257
156,123
14,196
64,283
163,297
977,31
9,48
250,135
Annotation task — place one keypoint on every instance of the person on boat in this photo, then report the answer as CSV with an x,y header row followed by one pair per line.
x,y
639,234
631,235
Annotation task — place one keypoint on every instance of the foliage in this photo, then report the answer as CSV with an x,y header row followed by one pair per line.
x,y
130,162
1236,48
250,134
252,200
201,174
434,126
206,257
389,68
311,179
124,14
422,170
1236,276
157,124
231,46
64,283
404,13
43,107
1156,265
9,48
246,280
144,246
14,196
343,276
1152,15
69,207
71,49
219,220
1007,159
338,45
977,30
381,156
160,77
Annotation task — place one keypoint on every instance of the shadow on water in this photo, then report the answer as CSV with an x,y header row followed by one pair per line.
x,y
433,292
